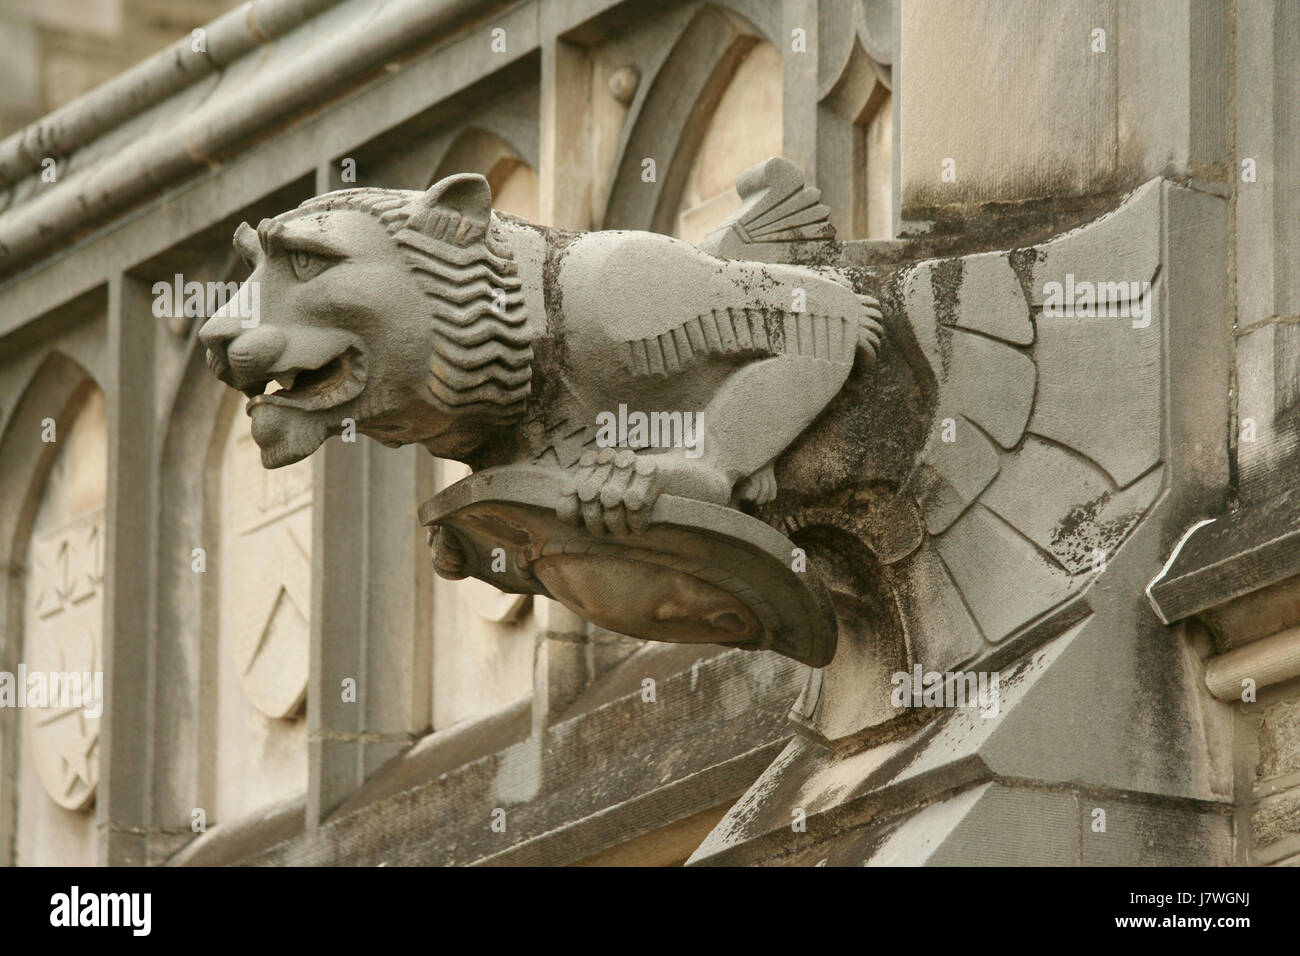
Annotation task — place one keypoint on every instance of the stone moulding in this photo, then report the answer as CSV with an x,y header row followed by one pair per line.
x,y
1235,575
148,83
292,81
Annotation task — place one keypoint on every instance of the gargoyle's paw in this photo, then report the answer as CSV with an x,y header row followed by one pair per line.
x,y
611,491
566,509
870,330
760,487
641,493
869,339
870,305
693,478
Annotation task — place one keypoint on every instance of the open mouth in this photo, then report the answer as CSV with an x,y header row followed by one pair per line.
x,y
339,380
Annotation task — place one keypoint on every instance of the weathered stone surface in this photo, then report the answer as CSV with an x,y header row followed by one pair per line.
x,y
628,768
1275,818
991,300
1154,835
59,776
976,551
955,475
1072,437
940,629
992,386
1269,660
1224,559
1080,409
985,827
964,79
1098,517
1265,611
1279,740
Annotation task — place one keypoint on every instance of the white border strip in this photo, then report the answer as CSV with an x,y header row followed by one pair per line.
x,y
1173,556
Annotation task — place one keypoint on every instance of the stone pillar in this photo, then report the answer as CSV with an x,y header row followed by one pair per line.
x,y
122,804
562,666
566,176
799,91
1265,181
371,603
1120,93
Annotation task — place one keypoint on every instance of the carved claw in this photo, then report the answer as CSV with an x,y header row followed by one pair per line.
x,y
870,329
612,492
448,556
760,487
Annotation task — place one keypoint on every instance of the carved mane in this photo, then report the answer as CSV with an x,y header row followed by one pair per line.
x,y
482,361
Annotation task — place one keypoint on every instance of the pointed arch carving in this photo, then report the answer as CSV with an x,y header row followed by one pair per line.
x,y
683,91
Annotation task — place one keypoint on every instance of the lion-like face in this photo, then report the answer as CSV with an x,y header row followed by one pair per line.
x,y
328,327
398,312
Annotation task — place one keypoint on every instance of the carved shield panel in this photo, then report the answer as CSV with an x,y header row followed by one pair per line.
x,y
266,572
64,620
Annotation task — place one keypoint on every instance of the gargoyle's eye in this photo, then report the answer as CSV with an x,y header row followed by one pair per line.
x,y
307,265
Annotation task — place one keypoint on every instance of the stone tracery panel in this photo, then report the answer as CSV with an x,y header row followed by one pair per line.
x,y
744,129
265,572
63,635
482,641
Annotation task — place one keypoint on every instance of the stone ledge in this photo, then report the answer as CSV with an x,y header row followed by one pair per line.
x,y
626,766
1234,555
1239,575
178,139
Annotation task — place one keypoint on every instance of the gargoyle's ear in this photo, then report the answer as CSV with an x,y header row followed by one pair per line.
x,y
456,209
250,248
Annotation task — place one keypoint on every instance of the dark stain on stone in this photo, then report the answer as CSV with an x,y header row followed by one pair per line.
x,y
945,281
550,354
872,431
1079,534
1022,263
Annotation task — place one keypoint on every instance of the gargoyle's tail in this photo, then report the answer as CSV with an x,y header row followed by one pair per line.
x,y
776,207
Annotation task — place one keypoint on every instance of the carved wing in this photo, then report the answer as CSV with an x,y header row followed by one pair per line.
x,y
1045,450
775,206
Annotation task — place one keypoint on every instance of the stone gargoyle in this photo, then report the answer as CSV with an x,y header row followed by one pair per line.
x,y
705,445
616,393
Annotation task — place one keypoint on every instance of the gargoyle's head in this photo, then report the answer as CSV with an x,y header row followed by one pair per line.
x,y
398,310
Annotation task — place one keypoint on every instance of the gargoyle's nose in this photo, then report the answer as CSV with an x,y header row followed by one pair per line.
x,y
219,330
237,314
254,351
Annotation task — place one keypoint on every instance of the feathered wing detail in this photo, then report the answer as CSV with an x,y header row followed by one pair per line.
x,y
1045,450
775,206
